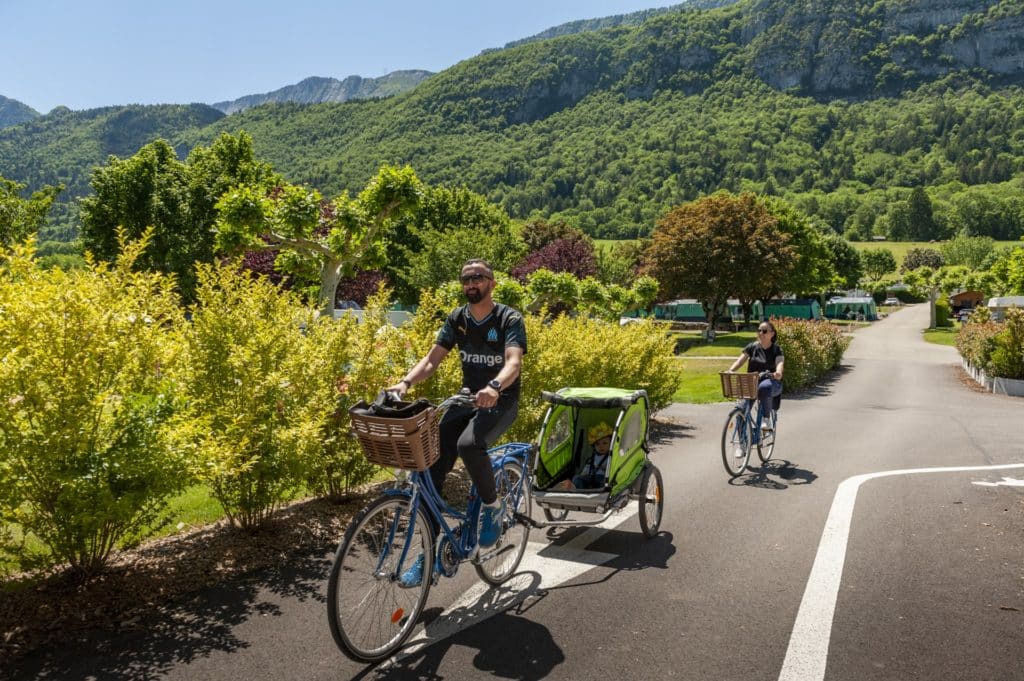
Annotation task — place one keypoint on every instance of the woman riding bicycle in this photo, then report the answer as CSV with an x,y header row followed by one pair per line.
x,y
492,341
764,354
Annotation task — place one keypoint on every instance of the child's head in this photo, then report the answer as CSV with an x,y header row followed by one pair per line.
x,y
600,436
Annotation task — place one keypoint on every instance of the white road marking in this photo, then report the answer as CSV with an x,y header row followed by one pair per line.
x,y
544,565
807,654
1005,482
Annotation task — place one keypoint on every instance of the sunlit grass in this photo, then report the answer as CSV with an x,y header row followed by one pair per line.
x,y
942,336
701,384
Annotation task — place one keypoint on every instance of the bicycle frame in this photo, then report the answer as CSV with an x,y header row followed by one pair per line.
x,y
463,535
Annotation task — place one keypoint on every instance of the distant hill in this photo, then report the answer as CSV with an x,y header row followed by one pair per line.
x,y
315,90
64,146
631,19
839,105
13,112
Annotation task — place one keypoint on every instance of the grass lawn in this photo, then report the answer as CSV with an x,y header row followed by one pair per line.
x,y
701,384
899,248
727,344
942,336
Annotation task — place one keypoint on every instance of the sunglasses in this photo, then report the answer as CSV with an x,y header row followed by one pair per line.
x,y
764,330
472,278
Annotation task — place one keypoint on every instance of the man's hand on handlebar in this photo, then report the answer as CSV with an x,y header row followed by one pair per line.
x,y
486,398
399,389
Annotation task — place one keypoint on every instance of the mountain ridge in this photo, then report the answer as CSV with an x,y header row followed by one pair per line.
x,y
13,112
317,89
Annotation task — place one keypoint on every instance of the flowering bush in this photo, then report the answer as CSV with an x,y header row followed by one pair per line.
x,y
976,342
811,348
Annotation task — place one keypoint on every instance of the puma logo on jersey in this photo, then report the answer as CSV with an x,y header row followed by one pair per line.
x,y
484,360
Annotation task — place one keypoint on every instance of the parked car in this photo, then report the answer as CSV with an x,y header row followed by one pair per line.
x,y
892,301
963,315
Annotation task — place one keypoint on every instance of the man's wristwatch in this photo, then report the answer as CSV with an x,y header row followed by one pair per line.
x,y
494,383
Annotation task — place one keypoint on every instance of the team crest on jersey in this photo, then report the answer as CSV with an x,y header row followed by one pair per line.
x,y
492,336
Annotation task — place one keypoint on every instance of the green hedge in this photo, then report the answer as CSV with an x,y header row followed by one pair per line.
x,y
997,348
812,348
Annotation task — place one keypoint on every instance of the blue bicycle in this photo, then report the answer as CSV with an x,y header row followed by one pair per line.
x,y
371,609
740,433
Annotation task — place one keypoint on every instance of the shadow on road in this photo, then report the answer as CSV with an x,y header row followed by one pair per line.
x,y
535,653
179,632
786,470
665,430
822,388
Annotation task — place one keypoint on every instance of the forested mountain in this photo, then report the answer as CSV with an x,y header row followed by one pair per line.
x,y
13,112
631,19
315,90
63,146
842,106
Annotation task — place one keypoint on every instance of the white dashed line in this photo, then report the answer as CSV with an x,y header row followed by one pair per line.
x,y
807,654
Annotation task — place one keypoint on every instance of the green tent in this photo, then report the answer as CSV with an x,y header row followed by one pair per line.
x,y
852,308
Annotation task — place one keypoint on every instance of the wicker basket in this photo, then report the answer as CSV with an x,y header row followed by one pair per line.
x,y
409,443
739,385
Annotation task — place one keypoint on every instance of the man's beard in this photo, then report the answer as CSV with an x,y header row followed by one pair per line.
x,y
474,296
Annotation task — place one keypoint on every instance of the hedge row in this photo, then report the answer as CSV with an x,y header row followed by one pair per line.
x,y
812,348
112,401
995,348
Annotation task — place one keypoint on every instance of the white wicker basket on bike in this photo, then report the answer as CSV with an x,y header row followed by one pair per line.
x,y
410,443
739,385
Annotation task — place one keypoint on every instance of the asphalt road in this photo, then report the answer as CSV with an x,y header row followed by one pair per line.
x,y
866,551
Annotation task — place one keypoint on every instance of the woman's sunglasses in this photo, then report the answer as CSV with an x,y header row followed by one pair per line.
x,y
472,278
763,331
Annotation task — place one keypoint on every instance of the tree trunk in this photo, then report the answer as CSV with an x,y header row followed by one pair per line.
x,y
330,275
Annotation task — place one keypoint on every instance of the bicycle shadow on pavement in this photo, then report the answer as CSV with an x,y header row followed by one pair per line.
x,y
180,632
765,476
487,624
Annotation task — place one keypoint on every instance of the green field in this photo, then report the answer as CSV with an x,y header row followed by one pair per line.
x,y
701,384
899,248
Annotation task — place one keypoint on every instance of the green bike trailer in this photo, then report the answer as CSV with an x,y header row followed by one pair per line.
x,y
563,450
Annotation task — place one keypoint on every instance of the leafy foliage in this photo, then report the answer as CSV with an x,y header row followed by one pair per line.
x,y
86,392
574,254
20,218
921,257
812,348
877,262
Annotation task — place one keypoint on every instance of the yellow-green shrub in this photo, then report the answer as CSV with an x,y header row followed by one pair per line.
x,y
84,402
252,422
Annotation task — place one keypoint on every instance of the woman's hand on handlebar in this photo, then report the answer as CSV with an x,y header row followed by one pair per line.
x,y
399,389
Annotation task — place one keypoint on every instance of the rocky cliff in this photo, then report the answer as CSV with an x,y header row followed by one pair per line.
x,y
315,90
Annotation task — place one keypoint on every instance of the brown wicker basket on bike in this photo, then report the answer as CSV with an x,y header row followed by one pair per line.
x,y
739,385
410,443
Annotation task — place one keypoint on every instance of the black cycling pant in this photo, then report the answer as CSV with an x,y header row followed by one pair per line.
x,y
468,432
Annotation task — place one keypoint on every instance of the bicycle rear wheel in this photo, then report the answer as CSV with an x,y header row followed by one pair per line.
x,y
370,612
766,443
736,443
503,559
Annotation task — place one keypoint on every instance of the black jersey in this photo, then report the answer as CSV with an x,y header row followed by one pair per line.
x,y
763,359
482,343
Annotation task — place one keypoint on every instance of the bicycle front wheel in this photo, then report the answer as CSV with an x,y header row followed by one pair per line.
x,y
502,560
766,443
370,611
736,443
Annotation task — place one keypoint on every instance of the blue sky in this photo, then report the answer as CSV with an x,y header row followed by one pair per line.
x,y
84,54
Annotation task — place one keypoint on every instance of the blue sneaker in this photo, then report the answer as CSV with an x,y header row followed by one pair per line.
x,y
413,576
490,524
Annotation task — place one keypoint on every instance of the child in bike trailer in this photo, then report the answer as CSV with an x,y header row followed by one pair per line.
x,y
492,341
764,354
591,474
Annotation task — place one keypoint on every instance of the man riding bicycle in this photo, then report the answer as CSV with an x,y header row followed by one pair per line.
x,y
492,341
764,354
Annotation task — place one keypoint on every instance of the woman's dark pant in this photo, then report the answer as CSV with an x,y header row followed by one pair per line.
x,y
468,432
767,390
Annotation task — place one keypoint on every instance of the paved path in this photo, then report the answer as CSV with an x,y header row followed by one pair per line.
x,y
843,560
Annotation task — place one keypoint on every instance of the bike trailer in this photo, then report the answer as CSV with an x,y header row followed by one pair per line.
x,y
563,448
